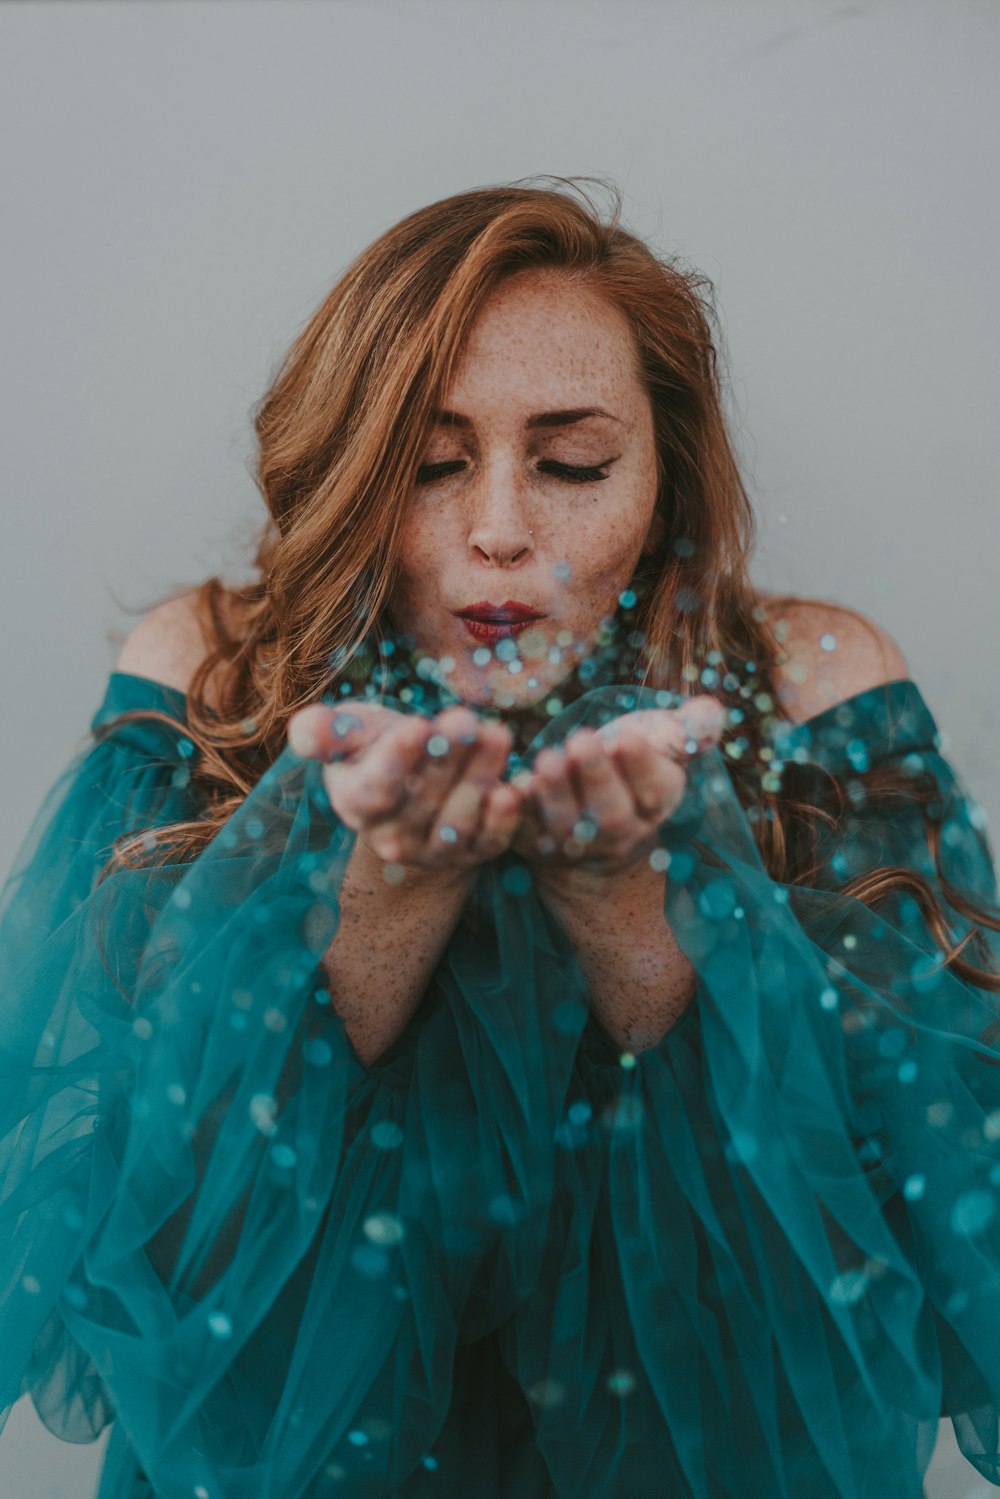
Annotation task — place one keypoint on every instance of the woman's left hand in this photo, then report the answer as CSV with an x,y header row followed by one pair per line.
x,y
596,804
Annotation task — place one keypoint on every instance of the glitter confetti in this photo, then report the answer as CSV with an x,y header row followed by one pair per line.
x,y
384,1228
214,1130
220,1325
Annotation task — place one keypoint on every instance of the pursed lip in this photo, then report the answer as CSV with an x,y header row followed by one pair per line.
x,y
509,613
488,630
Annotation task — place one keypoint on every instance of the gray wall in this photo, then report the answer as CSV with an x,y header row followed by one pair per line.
x,y
183,182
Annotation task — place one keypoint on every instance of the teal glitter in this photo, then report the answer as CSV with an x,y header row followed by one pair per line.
x,y
825,1104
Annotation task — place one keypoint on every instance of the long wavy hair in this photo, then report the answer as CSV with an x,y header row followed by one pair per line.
x,y
340,434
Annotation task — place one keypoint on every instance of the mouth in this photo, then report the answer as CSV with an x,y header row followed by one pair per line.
x,y
489,630
488,622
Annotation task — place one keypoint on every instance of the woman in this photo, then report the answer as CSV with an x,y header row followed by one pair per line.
x,y
567,1066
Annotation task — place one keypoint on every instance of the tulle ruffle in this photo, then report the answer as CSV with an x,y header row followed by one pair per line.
x,y
760,1257
777,1238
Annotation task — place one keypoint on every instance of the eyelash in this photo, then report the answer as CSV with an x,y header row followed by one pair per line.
x,y
566,471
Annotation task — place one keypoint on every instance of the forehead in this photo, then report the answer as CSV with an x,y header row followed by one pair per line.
x,y
552,345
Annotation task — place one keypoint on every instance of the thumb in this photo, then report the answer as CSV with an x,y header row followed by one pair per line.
x,y
332,732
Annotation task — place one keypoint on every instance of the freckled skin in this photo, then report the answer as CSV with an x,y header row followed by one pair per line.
x,y
504,528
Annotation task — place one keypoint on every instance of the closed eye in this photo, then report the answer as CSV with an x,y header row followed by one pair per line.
x,y
573,475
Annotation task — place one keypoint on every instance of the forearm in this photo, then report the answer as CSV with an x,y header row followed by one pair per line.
x,y
389,941
639,980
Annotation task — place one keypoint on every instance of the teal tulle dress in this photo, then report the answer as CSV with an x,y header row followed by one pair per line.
x,y
758,1260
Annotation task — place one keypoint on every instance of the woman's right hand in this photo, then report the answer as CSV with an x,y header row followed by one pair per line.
x,y
422,793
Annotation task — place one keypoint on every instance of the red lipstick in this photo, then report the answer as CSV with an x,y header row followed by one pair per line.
x,y
510,613
489,622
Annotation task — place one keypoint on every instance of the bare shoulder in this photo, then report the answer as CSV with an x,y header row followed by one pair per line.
x,y
168,644
832,652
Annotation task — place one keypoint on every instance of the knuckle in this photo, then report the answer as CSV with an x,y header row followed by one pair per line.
x,y
374,801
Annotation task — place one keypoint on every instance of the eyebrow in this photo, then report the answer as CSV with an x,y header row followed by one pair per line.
x,y
539,419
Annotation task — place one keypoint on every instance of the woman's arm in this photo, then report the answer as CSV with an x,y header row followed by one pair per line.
x,y
640,982
426,803
605,893
388,944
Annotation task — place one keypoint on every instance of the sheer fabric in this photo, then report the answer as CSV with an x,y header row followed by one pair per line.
x,y
759,1258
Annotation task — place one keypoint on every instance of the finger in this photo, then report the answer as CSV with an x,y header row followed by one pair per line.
x,y
488,758
654,779
704,718
551,796
372,787
684,731
322,731
531,839
459,816
601,789
446,752
501,813
457,820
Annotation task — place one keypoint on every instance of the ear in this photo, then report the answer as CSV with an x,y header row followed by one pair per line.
x,y
654,534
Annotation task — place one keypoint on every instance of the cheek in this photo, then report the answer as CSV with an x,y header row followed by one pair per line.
x,y
417,563
601,560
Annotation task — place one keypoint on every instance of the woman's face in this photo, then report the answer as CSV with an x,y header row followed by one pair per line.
x,y
547,382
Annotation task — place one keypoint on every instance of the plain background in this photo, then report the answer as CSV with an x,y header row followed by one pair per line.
x,y
183,180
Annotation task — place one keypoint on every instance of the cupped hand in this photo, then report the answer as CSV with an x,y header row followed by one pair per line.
x,y
597,803
423,793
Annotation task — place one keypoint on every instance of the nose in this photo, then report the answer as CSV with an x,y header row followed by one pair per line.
x,y
499,532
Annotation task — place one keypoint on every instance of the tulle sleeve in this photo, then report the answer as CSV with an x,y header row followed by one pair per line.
x,y
774,1250
217,1227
